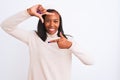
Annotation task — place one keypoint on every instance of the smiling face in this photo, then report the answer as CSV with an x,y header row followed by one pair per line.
x,y
52,23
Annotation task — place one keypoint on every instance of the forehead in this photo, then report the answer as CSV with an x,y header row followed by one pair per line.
x,y
53,16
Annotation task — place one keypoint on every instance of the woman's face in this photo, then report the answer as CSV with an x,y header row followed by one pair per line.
x,y
52,23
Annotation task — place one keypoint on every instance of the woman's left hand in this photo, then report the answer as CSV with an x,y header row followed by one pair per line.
x,y
62,42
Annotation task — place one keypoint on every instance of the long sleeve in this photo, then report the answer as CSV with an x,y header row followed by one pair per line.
x,y
80,54
10,26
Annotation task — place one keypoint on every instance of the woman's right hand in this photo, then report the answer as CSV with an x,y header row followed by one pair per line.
x,y
38,10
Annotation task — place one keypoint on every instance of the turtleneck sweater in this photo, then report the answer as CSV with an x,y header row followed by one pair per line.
x,y
47,60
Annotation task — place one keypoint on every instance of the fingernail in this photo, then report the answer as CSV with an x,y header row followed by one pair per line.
x,y
39,12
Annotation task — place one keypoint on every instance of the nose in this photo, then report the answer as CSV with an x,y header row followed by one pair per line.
x,y
51,24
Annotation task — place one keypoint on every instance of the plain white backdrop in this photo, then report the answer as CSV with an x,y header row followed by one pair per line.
x,y
92,23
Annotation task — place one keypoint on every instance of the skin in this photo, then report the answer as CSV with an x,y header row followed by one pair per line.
x,y
52,21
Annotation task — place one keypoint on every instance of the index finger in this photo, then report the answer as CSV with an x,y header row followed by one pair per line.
x,y
48,13
54,40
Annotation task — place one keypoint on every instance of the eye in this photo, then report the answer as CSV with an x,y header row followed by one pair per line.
x,y
47,20
56,21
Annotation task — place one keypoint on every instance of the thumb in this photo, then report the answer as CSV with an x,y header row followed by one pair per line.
x,y
42,20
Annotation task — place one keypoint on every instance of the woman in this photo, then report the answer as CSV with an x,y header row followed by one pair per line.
x,y
50,49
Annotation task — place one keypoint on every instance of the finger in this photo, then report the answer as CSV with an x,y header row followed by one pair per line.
x,y
61,35
41,10
48,13
56,40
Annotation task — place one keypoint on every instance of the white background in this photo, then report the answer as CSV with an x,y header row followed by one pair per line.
x,y
93,23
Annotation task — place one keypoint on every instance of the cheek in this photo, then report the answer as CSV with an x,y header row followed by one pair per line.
x,y
46,25
57,25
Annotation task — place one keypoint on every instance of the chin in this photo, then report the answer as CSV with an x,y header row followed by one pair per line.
x,y
51,33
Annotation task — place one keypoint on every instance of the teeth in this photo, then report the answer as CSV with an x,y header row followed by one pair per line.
x,y
52,29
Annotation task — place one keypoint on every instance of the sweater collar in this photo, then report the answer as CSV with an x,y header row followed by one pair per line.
x,y
52,36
